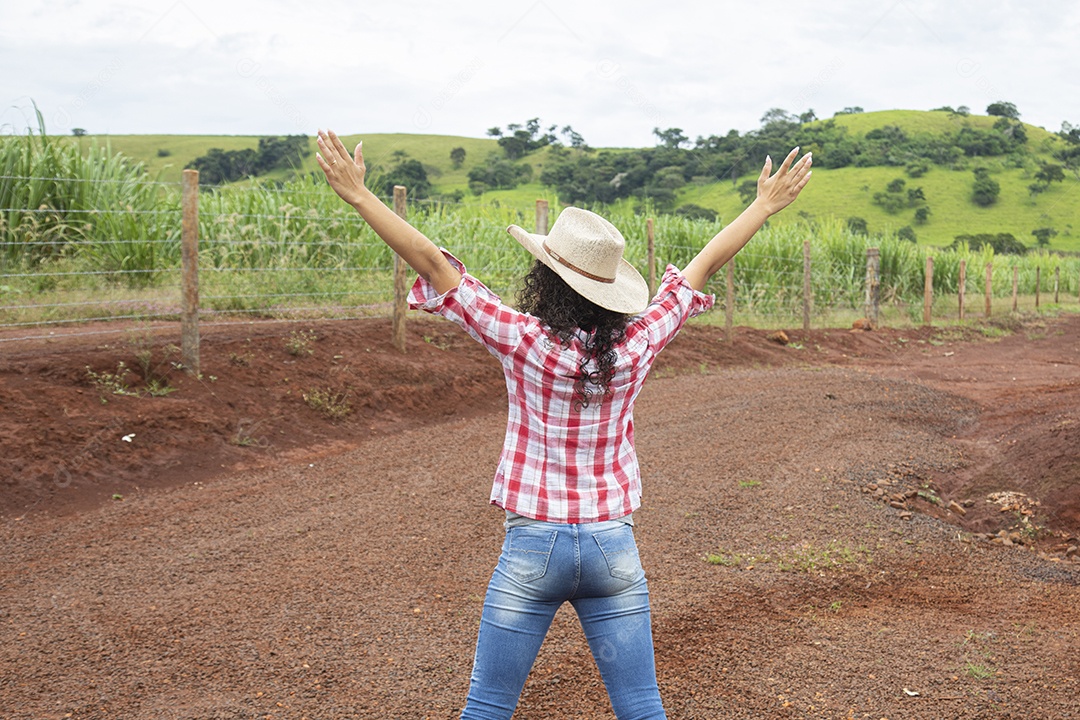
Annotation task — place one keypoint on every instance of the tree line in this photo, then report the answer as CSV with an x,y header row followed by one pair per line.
x,y
219,166
582,175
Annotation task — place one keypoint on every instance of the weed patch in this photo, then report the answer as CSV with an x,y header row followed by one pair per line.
x,y
330,403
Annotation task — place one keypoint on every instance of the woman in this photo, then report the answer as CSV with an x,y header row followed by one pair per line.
x,y
575,354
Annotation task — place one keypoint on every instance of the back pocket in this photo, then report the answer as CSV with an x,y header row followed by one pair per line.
x,y
528,550
621,553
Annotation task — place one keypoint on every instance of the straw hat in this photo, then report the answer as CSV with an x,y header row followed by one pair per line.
x,y
586,251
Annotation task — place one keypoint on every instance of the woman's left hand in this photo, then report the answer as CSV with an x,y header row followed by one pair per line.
x,y
776,192
345,174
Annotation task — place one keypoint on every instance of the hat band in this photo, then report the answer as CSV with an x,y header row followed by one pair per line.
x,y
575,268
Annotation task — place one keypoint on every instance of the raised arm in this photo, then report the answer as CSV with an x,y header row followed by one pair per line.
x,y
346,175
775,192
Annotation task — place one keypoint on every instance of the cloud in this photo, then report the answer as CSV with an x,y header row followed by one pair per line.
x,y
613,71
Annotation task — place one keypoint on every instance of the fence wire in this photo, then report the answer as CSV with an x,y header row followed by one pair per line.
x,y
282,253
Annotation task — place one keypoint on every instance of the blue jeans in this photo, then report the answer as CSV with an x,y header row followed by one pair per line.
x,y
596,567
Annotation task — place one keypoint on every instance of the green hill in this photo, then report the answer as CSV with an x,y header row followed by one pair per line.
x,y
842,192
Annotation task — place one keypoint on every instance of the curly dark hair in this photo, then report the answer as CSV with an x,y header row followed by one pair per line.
x,y
547,297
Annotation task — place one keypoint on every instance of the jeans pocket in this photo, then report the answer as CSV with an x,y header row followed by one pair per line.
x,y
621,553
528,550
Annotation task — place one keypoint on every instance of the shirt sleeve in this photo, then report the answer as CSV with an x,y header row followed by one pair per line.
x,y
675,303
473,307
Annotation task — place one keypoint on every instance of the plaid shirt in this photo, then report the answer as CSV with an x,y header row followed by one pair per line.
x,y
559,464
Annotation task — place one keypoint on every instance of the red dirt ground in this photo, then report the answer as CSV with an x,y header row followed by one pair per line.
x,y
820,526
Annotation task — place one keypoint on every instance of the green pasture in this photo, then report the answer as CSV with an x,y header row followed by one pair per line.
x,y
914,122
849,192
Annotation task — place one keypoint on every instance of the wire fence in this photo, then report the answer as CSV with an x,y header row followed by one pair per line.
x,y
83,249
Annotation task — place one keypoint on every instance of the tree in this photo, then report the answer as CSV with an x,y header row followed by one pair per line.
x,y
917,169
78,132
985,191
906,233
218,166
457,156
857,226
1043,235
575,138
498,174
1070,133
1049,172
495,131
777,115
892,200
1070,155
282,152
1003,109
808,117
1003,243
412,175
671,138
696,212
852,110
922,215
747,191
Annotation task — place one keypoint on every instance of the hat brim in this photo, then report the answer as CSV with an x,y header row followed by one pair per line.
x,y
629,294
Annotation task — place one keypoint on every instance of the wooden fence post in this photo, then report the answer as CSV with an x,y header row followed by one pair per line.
x,y
962,286
1016,285
928,291
806,297
1038,282
729,309
650,238
541,217
189,267
1057,281
400,291
989,288
873,285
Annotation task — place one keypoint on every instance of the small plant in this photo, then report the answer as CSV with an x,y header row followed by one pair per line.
x,y
240,359
109,383
979,671
245,436
432,340
723,558
834,556
156,387
749,483
300,341
928,494
332,404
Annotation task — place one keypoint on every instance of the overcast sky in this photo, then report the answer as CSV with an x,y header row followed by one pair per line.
x,y
613,70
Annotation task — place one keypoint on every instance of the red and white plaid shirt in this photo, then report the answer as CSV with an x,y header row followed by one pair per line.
x,y
559,464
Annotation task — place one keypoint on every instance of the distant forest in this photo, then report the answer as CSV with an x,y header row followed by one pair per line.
x,y
581,174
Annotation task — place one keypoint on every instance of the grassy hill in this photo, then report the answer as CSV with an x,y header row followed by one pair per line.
x,y
843,192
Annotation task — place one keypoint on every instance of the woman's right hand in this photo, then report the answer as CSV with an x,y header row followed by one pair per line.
x,y
345,174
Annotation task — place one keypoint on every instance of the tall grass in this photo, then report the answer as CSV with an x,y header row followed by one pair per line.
x,y
79,224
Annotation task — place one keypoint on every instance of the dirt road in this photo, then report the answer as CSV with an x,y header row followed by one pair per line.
x,y
820,529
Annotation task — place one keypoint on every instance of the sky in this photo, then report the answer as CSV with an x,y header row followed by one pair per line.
x,y
612,70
